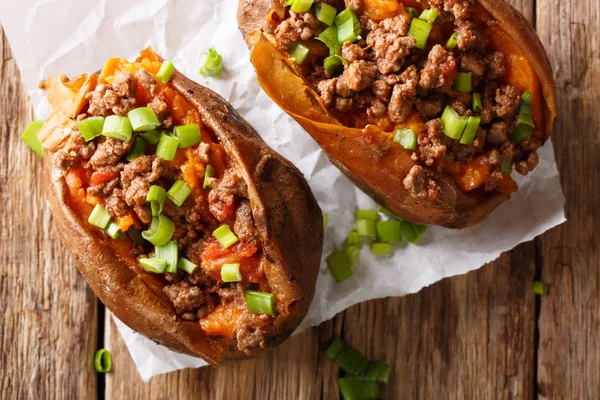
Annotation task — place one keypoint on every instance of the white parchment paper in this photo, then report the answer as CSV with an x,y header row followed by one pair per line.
x,y
52,37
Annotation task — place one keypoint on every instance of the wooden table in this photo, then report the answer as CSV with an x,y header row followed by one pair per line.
x,y
483,335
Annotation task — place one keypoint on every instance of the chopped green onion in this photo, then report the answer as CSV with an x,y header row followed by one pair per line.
x,y
289,2
429,15
452,41
389,231
160,231
377,372
117,127
330,37
224,235
165,72
213,64
353,238
325,220
186,265
477,104
91,127
420,30
406,138
167,147
352,253
325,13
138,148
99,217
381,249
370,215
169,253
540,288
154,265
339,265
454,124
113,230
179,192
31,139
522,132
231,273
354,388
412,11
468,136
348,358
260,302
208,173
152,136
390,214
346,31
299,53
156,197
464,82
102,361
136,236
525,110
143,119
412,232
300,6
346,15
506,166
334,65
188,135
365,228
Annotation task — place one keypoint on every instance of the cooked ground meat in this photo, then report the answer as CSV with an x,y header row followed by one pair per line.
x,y
298,27
118,98
403,95
440,69
244,227
419,183
109,152
186,297
251,336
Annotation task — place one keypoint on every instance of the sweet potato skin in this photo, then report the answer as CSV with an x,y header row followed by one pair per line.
x,y
285,213
380,175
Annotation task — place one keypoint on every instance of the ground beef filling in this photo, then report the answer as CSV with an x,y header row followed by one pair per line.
x,y
388,79
122,187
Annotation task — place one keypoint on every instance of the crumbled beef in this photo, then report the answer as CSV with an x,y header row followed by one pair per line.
x,y
473,62
161,109
403,95
73,152
498,133
244,227
221,197
109,152
65,160
508,99
186,297
389,43
115,204
440,69
526,166
118,98
250,336
327,91
136,178
353,52
492,181
382,90
301,26
354,5
359,75
432,144
495,65
488,97
148,81
377,109
109,182
430,107
467,35
203,152
420,184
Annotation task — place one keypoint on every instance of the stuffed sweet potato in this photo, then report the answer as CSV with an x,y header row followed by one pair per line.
x,y
427,106
187,226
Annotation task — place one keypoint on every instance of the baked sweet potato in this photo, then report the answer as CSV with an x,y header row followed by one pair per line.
x,y
260,198
376,99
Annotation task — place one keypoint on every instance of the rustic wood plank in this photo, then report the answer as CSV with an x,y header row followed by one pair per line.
x,y
48,314
569,327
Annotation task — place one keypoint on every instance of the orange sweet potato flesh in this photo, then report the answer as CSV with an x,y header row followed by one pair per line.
x,y
375,166
284,210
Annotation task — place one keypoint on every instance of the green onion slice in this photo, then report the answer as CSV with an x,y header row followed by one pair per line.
x,y
160,231
464,82
325,221
299,53
135,235
30,138
152,136
231,273
454,124
167,147
540,288
346,31
99,217
365,228
330,37
186,265
155,265
452,41
477,104
354,388
468,136
429,15
377,372
213,64
525,110
300,6
224,235
412,232
165,72
420,30
208,173
325,13
138,148
381,249
188,135
156,197
91,127
522,132
352,253
117,127
506,166
390,214
346,15
179,192
389,231
143,119
406,138
413,12
102,361
169,253
370,215
348,358
353,238
113,230
339,265
260,302
334,65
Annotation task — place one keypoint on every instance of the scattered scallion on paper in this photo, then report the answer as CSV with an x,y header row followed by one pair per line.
x,y
213,65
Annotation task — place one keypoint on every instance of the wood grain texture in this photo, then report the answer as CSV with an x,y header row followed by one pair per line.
x,y
48,314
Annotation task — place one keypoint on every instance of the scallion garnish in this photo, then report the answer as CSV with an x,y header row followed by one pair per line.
x,y
477,104
420,30
370,215
468,136
464,82
299,53
260,302
412,232
213,64
143,119
231,273
208,173
506,166
169,253
354,388
30,138
138,148
102,361
381,249
99,217
186,265
113,230
152,136
165,72
167,147
160,231
413,12
352,361
156,197
325,220
525,110
339,266
224,235
135,235
334,65
452,41
429,15
179,192
522,132
352,253
454,124
346,31
353,238
117,127
325,13
155,265
377,372
330,37
389,231
406,138
540,288
91,127
188,135
365,228
300,6
346,15
390,214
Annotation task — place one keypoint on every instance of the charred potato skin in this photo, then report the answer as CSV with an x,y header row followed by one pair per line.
x,y
285,212
454,208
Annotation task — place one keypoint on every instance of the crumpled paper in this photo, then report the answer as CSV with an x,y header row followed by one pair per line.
x,y
53,37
